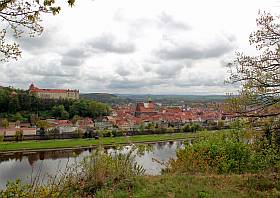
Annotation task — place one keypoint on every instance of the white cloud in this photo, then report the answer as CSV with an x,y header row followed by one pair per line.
x,y
125,46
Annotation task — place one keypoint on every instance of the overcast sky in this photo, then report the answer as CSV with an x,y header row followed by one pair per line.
x,y
138,46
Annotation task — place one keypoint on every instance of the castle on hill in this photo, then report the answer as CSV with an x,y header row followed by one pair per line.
x,y
53,93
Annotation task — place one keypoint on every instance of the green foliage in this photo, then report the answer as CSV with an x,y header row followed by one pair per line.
x,y
4,123
19,135
15,189
57,110
222,152
111,171
141,127
1,138
33,119
80,133
23,106
262,183
258,75
170,130
18,117
150,126
42,124
97,172
75,119
203,194
54,131
191,127
88,108
221,124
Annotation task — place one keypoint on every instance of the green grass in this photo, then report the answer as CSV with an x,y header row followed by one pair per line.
x,y
72,143
200,186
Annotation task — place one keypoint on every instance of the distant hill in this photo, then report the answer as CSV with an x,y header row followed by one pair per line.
x,y
107,98
165,99
186,98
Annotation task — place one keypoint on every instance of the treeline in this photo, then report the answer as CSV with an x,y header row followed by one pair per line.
x,y
19,104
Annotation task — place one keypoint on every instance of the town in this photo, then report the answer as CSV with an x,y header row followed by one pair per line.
x,y
132,118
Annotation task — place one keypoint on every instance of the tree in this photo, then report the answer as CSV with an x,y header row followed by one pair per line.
x,y
75,119
33,119
259,75
1,138
64,115
22,16
19,135
60,112
18,117
43,124
4,123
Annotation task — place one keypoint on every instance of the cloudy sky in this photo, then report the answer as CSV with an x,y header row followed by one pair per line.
x,y
138,46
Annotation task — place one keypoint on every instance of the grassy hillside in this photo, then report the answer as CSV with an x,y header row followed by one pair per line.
x,y
106,98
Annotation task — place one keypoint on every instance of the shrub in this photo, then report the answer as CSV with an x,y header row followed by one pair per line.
x,y
170,130
1,138
19,135
16,189
221,153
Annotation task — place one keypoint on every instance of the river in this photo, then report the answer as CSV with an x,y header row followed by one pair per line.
x,y
46,164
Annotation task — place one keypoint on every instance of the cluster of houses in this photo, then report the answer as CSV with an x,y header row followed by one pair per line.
x,y
61,126
125,117
131,117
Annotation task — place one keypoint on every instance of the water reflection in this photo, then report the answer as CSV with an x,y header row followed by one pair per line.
x,y
26,166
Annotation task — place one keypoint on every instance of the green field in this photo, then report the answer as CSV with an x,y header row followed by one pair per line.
x,y
74,143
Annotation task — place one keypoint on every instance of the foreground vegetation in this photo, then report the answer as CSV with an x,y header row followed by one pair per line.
x,y
72,143
181,186
220,164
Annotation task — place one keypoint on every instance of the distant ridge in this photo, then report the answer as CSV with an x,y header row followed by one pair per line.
x,y
106,98
132,98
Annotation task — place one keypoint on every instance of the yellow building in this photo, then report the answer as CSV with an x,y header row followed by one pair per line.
x,y
54,93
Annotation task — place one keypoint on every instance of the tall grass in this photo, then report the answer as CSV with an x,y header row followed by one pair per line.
x,y
98,171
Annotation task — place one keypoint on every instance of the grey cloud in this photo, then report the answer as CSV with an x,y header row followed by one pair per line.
x,y
195,52
70,61
115,84
108,43
75,57
206,81
123,71
167,21
38,43
53,68
77,52
169,71
133,84
42,71
56,81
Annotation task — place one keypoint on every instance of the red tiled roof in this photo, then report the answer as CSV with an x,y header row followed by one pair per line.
x,y
34,89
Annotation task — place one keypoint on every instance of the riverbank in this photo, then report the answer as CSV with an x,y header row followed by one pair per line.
x,y
36,145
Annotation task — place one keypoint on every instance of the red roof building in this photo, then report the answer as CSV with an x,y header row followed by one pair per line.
x,y
143,108
54,93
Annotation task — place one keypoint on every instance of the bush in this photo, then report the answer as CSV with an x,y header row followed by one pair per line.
x,y
170,130
16,189
19,135
223,152
1,138
192,127
103,170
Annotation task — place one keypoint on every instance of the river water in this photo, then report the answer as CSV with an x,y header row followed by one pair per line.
x,y
46,164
